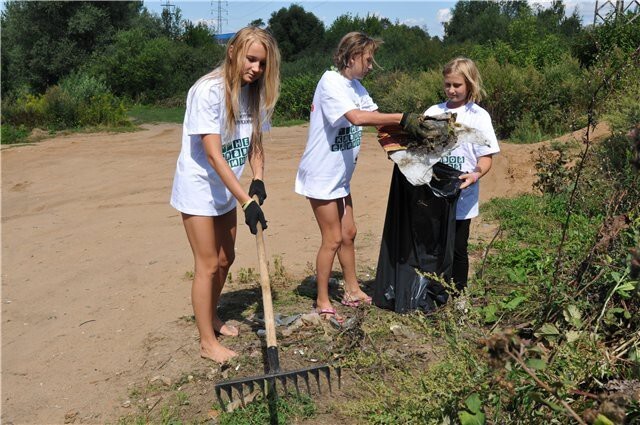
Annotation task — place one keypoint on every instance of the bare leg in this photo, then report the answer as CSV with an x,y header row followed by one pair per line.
x,y
328,218
201,232
226,255
347,253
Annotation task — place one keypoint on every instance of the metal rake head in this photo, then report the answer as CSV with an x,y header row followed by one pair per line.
x,y
267,383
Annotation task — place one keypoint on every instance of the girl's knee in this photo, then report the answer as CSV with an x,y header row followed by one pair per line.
x,y
349,235
207,268
332,244
226,260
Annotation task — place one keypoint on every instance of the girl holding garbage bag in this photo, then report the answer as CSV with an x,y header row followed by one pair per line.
x,y
426,228
341,106
463,88
226,113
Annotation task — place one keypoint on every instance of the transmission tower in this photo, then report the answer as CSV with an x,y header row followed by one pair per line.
x,y
167,5
616,11
219,11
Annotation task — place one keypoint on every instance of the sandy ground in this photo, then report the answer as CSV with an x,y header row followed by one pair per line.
x,y
94,259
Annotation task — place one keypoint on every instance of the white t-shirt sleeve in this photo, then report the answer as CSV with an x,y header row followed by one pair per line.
x,y
204,109
334,101
366,102
486,127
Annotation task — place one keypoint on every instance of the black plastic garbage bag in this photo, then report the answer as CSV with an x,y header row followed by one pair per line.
x,y
418,238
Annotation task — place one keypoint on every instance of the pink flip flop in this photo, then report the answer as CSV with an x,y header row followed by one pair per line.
x,y
330,314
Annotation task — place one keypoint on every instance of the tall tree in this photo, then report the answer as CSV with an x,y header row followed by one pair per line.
x,y
296,31
44,41
483,21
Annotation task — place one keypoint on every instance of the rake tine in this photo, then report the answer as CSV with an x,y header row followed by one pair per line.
x,y
283,379
219,395
294,376
316,375
229,391
305,376
327,374
251,386
239,389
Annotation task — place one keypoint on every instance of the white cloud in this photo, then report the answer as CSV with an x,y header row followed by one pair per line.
x,y
414,22
444,15
207,22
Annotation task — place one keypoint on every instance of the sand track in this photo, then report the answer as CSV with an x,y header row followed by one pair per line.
x,y
94,259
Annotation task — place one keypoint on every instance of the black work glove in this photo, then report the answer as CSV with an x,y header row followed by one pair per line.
x,y
252,215
257,188
411,124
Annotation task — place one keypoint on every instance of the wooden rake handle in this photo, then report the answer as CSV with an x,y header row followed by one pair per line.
x,y
265,286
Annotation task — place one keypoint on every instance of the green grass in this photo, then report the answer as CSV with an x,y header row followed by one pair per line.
x,y
279,122
143,114
290,410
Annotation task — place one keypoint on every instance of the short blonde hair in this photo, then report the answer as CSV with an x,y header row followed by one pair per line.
x,y
468,69
353,44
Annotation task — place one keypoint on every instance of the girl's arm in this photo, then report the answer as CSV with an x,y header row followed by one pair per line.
x,y
213,148
482,168
256,162
374,118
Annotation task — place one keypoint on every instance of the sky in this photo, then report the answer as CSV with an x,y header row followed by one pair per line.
x,y
427,14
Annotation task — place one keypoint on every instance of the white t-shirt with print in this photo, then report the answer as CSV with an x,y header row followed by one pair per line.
x,y
333,143
197,188
465,157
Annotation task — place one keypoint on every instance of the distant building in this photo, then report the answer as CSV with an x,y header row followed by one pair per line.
x,y
223,38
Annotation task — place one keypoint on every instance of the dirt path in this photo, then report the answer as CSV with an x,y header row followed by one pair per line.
x,y
94,260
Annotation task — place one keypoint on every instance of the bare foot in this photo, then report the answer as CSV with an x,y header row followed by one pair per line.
x,y
355,298
327,312
217,352
223,329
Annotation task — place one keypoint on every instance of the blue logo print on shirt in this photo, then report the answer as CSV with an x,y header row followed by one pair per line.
x,y
235,153
453,161
347,138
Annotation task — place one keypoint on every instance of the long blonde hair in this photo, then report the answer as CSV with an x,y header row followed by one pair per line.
x,y
263,93
469,71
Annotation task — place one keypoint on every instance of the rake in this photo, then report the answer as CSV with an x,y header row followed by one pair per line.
x,y
267,382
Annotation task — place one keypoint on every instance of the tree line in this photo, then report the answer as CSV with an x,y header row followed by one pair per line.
x,y
58,56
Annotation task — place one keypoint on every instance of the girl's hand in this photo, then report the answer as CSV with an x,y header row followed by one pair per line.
x,y
253,215
469,179
257,188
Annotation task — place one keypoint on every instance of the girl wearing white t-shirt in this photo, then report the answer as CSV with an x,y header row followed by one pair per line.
x,y
227,111
341,106
463,87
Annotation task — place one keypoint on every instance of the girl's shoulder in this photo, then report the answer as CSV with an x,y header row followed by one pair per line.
x,y
208,83
436,109
476,109
331,76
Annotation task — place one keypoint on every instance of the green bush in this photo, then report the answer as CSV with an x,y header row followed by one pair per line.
x,y
103,109
80,100
26,110
147,68
10,134
408,93
528,104
82,86
296,96
60,109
